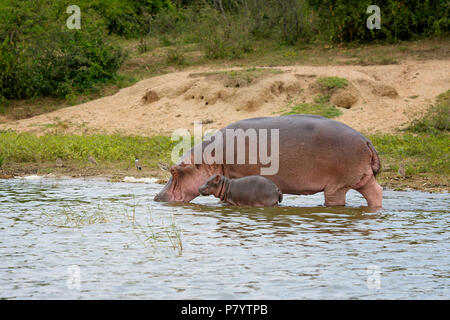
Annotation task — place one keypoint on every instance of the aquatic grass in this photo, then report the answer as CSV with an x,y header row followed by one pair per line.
x,y
69,217
165,233
152,233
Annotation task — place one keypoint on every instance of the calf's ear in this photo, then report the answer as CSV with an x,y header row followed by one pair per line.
x,y
217,178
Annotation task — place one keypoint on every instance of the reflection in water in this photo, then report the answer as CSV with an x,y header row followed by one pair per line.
x,y
286,219
127,246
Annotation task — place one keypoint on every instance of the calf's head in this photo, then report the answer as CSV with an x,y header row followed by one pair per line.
x,y
211,185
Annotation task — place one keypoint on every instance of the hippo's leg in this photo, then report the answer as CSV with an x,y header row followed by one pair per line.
x,y
373,193
335,197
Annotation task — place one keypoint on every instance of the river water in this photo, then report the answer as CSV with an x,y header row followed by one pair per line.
x,y
82,239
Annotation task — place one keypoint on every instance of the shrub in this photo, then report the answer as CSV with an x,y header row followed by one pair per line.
x,y
223,35
39,56
437,118
345,20
129,18
174,56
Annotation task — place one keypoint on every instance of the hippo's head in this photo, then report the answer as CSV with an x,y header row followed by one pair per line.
x,y
184,183
211,185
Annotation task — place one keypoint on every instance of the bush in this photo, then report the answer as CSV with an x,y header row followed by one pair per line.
x,y
40,56
129,18
286,21
223,35
174,56
437,119
345,20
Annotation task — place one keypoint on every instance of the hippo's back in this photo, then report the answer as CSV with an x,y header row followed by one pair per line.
x,y
297,124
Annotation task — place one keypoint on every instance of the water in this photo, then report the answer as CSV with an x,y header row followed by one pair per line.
x,y
81,239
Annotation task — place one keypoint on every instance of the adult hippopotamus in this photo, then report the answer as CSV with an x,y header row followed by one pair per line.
x,y
316,154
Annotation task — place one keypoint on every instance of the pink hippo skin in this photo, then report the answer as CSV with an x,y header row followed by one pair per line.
x,y
316,154
255,191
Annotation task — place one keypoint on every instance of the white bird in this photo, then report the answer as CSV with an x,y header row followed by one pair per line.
x,y
137,164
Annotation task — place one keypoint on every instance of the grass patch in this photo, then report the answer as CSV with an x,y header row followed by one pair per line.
x,y
24,147
321,107
419,153
437,118
332,82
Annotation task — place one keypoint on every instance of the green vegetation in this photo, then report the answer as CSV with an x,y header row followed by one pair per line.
x,y
18,148
154,234
437,118
40,56
332,82
75,218
420,153
175,56
321,107
345,20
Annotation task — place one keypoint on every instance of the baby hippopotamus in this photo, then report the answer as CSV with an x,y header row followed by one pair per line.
x,y
255,191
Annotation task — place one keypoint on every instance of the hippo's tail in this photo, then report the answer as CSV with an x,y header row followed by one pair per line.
x,y
376,164
280,195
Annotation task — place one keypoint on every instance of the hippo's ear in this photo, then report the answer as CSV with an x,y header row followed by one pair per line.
x,y
174,171
217,178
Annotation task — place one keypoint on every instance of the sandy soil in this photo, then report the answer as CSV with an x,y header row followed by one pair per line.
x,y
385,97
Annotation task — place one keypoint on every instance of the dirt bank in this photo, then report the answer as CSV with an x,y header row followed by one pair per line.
x,y
383,98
